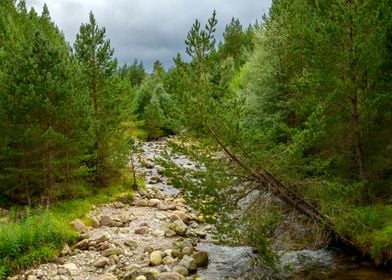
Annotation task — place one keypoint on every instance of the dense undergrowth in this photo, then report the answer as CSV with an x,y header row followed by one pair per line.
x,y
369,227
33,236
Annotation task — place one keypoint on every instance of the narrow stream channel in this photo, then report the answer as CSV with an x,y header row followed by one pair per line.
x,y
241,262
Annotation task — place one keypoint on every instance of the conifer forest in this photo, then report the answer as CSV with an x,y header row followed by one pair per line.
x,y
282,127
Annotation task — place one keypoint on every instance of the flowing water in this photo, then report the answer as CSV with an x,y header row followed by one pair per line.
x,y
241,262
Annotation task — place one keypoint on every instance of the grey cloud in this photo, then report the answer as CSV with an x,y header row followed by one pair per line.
x,y
149,29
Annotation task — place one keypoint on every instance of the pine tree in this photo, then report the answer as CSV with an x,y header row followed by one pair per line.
x,y
93,51
45,130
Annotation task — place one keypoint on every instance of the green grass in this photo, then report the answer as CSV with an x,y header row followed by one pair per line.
x,y
31,239
367,225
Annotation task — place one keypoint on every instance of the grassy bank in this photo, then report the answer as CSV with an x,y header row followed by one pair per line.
x,y
29,239
367,225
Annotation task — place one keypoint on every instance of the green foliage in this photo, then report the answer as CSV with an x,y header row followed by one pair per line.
x,y
106,94
34,236
309,102
153,105
45,114
135,73
33,240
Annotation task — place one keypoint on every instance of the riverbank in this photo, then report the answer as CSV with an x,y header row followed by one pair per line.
x,y
155,234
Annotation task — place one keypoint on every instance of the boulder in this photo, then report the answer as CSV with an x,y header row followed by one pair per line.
x,y
148,249
149,272
187,251
141,230
179,227
181,270
189,263
160,216
132,244
95,222
169,276
110,251
153,202
108,277
106,220
104,237
158,232
148,164
71,268
141,203
66,251
79,226
168,260
163,206
101,262
83,245
170,233
156,258
176,254
182,215
201,258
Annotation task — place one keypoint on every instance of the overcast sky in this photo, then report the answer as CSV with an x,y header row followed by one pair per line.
x,y
148,29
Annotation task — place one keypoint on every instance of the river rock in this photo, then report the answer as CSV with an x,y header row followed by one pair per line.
x,y
110,251
101,262
201,258
176,254
141,202
169,276
71,268
182,215
160,216
153,202
189,263
95,222
163,206
149,272
106,220
141,230
179,227
66,251
104,237
180,200
61,277
187,251
180,269
82,245
132,244
148,164
156,258
160,170
108,277
168,260
148,249
170,233
79,226
158,232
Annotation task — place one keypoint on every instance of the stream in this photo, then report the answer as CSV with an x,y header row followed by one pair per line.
x,y
241,262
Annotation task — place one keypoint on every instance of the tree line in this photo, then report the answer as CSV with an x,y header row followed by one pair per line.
x,y
62,108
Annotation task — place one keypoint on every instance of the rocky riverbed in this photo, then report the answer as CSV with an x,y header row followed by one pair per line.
x,y
153,236
157,236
